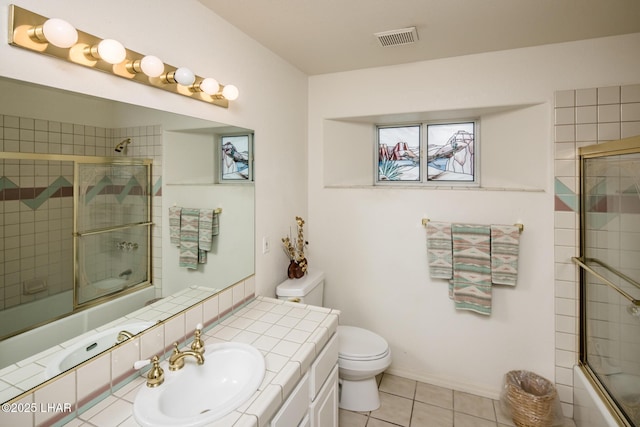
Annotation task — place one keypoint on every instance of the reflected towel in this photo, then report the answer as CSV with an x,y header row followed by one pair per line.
x,y
189,238
174,225
470,287
439,250
215,224
505,245
205,230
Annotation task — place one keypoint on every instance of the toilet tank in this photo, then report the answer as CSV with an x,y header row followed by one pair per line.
x,y
309,289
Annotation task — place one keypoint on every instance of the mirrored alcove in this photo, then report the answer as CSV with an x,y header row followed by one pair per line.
x,y
45,133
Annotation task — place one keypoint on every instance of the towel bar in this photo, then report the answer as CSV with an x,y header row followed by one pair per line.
x,y
216,211
520,226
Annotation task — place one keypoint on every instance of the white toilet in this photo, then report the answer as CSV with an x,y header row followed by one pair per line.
x,y
362,354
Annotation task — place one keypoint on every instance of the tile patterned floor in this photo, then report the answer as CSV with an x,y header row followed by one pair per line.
x,y
409,403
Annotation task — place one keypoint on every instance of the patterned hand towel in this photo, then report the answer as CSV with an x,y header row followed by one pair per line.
x,y
174,225
189,238
215,225
505,244
471,284
205,230
439,250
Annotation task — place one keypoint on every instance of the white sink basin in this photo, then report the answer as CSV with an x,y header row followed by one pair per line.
x,y
89,347
200,394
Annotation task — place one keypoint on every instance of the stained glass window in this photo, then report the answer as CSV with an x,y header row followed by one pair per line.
x,y
449,152
399,153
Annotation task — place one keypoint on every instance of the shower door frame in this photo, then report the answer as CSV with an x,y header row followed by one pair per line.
x,y
148,223
612,148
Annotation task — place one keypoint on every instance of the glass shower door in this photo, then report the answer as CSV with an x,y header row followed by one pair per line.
x,y
113,230
610,313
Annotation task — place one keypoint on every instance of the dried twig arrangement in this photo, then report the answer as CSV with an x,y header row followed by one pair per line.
x,y
295,251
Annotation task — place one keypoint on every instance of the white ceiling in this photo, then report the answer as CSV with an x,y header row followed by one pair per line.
x,y
324,36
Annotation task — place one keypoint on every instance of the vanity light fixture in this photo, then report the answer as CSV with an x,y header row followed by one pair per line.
x,y
212,87
56,31
150,65
109,50
182,76
209,86
230,92
58,38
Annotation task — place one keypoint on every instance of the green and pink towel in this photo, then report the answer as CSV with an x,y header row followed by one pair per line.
x,y
470,287
505,247
439,249
189,219
473,257
174,225
192,230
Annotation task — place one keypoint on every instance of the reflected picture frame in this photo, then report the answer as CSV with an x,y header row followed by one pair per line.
x,y
235,153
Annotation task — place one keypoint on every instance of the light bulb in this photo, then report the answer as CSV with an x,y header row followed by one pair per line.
x,y
152,66
184,76
111,51
230,92
59,33
209,86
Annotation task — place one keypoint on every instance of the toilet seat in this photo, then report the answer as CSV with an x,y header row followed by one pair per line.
x,y
359,344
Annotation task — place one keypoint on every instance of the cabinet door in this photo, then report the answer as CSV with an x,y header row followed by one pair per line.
x,y
295,407
324,409
321,368
306,422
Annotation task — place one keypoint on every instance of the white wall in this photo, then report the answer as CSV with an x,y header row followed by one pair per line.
x,y
273,94
372,247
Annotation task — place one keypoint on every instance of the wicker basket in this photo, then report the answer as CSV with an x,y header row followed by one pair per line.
x,y
531,398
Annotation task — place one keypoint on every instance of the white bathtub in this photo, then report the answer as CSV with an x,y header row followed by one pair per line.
x,y
24,315
36,340
588,408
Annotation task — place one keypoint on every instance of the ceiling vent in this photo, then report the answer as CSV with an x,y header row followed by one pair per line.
x,y
397,37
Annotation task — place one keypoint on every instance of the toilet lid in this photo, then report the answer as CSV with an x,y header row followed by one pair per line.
x,y
360,344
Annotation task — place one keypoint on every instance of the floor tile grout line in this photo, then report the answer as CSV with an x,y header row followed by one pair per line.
x,y
369,414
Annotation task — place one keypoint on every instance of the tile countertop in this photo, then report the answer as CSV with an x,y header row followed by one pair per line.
x,y
289,335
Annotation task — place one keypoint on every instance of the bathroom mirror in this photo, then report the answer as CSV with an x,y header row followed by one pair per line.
x,y
42,121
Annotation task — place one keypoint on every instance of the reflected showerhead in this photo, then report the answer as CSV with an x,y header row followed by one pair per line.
x,y
123,145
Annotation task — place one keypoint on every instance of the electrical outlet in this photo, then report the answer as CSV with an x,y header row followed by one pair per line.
x,y
266,245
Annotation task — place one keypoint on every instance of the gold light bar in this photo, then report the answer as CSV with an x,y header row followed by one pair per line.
x,y
25,32
520,226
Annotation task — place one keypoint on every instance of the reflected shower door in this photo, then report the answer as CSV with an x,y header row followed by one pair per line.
x,y
113,230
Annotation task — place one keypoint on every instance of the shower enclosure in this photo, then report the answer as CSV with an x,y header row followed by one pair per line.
x,y
76,232
112,238
610,274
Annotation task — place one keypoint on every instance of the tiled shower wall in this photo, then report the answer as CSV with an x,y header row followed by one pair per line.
x,y
582,117
36,200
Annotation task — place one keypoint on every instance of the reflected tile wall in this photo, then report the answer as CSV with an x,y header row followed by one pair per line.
x,y
36,201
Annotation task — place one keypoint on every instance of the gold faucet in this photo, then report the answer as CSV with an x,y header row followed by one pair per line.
x,y
176,361
155,376
124,335
198,345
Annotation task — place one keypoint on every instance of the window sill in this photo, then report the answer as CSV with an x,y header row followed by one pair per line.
x,y
433,187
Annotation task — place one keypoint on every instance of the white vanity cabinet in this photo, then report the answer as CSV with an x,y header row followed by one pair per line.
x,y
323,411
314,400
